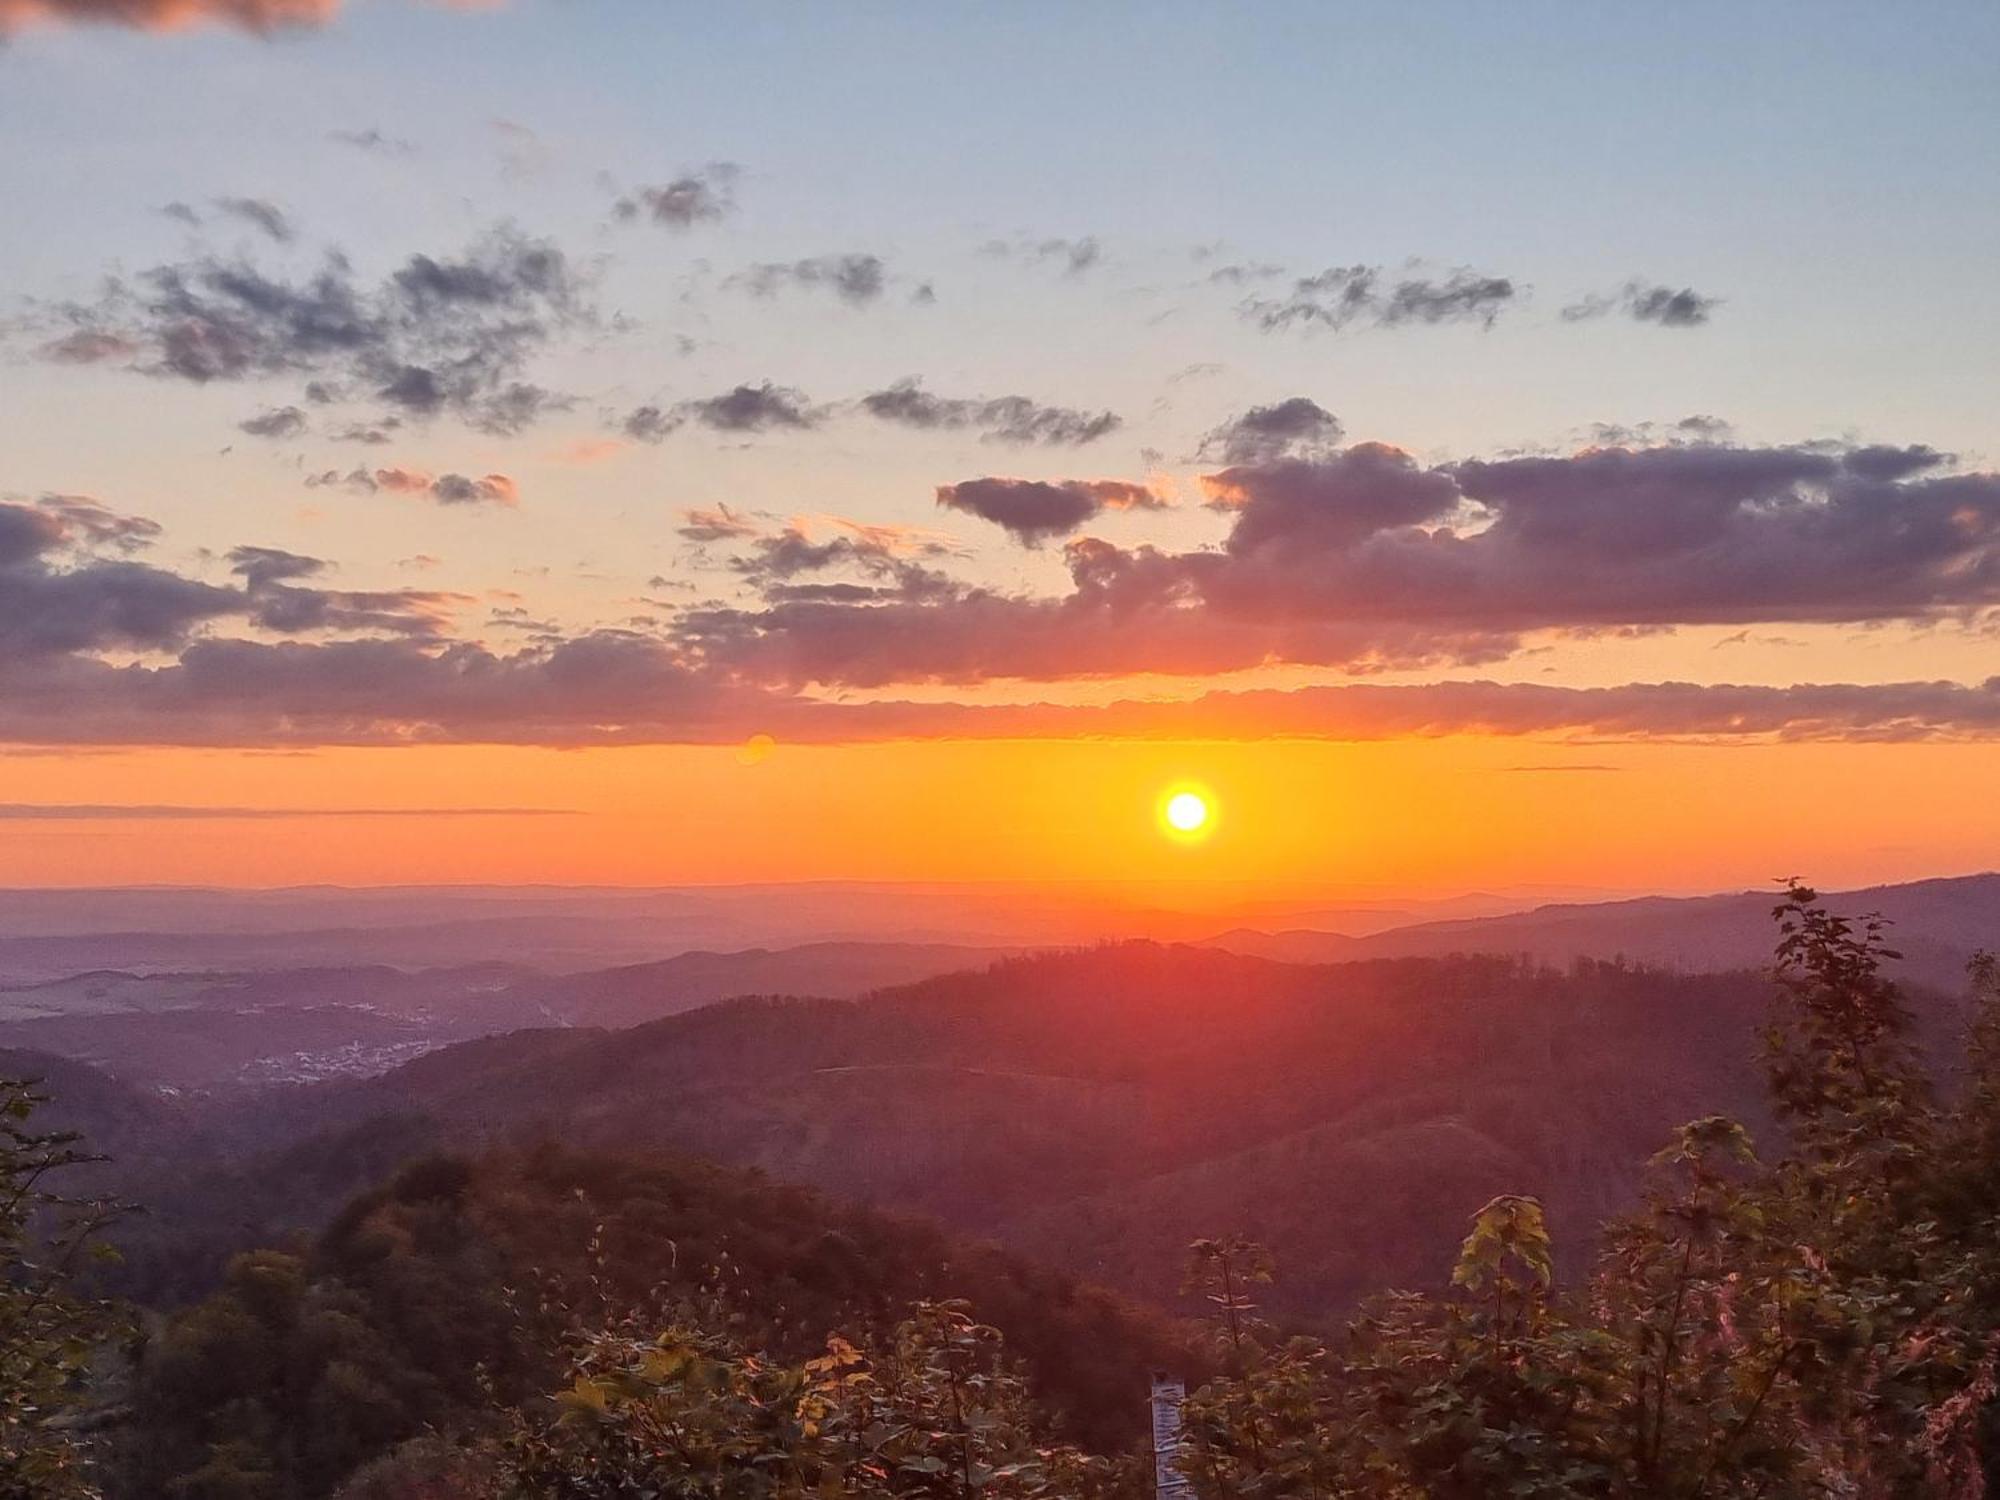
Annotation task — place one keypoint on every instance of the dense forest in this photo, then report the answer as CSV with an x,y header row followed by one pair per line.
x,y
1806,1304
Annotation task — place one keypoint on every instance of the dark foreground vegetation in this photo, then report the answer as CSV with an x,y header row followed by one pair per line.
x,y
1813,1314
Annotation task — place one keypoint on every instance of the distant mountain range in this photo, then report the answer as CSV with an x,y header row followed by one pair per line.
x,y
1937,924
1096,1107
52,934
270,1024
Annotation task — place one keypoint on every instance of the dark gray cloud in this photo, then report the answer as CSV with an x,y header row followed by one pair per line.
x,y
278,422
999,419
763,407
887,554
1365,296
1648,302
260,214
448,336
275,601
1295,428
446,489
702,197
754,408
1033,510
855,279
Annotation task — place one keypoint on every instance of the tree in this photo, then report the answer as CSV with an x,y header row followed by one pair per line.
x,y
49,1329
1824,1324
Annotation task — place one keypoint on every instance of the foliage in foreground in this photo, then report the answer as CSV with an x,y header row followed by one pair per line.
x,y
49,1332
939,1413
1824,1324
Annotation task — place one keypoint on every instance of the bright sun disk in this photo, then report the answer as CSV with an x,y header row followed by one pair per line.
x,y
1186,812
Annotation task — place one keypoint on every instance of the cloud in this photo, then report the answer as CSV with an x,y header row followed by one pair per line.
x,y
1357,559
100,812
1013,420
448,336
488,489
275,601
855,279
260,17
1033,510
764,407
446,489
1075,256
278,422
59,599
626,687
373,141
693,198
88,524
265,217
1362,296
1366,560
1299,427
721,524
170,15
89,346
1646,302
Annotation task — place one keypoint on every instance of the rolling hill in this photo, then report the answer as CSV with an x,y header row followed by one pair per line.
x,y
1101,1108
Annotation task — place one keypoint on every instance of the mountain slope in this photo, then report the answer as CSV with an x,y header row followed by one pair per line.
x,y
1104,1107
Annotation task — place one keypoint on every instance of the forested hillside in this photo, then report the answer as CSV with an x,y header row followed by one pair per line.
x,y
427,1298
1100,1108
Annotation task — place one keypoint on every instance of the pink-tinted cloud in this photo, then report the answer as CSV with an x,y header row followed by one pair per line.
x,y
179,15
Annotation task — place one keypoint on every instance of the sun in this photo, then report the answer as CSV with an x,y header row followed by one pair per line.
x,y
1186,812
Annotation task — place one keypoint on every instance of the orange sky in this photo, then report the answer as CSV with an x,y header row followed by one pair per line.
x,y
1409,815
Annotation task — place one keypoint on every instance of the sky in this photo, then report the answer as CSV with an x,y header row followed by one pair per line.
x,y
615,441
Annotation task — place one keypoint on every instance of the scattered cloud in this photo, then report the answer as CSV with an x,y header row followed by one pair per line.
x,y
720,524
1647,302
449,336
1032,510
278,422
764,407
1074,256
855,279
1296,428
446,489
1364,296
260,214
693,198
373,141
1012,420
